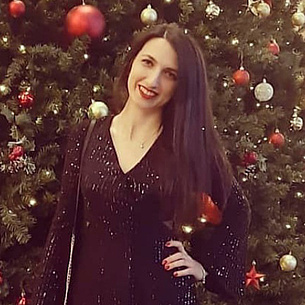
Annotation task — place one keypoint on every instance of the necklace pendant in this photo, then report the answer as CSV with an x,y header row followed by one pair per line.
x,y
142,145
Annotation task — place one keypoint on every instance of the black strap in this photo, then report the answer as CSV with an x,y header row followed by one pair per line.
x,y
90,129
72,242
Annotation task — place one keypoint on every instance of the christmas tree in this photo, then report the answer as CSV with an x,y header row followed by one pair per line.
x,y
56,70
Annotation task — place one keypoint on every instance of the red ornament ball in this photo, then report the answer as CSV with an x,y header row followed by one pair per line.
x,y
241,77
16,8
250,158
17,152
277,139
85,19
273,47
209,211
269,2
26,99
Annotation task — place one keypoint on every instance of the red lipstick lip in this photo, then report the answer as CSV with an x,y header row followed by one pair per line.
x,y
145,95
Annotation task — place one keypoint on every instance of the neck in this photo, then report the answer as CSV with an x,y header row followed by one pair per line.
x,y
137,123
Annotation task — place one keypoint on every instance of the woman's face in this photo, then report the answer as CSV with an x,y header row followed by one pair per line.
x,y
153,75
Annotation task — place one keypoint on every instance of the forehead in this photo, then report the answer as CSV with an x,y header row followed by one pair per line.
x,y
162,51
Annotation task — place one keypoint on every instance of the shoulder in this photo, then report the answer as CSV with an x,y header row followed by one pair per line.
x,y
80,129
75,135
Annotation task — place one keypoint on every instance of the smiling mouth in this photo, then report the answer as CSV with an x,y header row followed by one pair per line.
x,y
146,93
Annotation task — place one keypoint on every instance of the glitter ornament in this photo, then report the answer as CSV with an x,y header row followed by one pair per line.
x,y
277,139
241,77
252,277
149,15
17,152
26,99
273,47
296,122
85,19
98,110
16,8
298,19
264,91
288,262
212,10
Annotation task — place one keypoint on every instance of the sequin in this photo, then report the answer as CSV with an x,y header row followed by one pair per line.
x,y
120,241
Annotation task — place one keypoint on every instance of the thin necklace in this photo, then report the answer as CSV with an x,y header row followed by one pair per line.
x,y
156,132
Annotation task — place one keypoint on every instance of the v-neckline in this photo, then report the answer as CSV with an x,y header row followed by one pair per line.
x,y
139,162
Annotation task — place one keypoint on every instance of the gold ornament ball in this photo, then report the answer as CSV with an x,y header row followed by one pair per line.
x,y
98,110
169,1
288,262
263,10
149,15
298,19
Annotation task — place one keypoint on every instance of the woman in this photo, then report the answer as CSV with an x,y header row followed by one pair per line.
x,y
149,175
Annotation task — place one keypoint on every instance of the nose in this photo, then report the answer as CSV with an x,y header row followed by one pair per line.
x,y
153,79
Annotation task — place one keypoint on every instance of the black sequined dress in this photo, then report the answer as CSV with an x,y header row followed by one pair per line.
x,y
121,233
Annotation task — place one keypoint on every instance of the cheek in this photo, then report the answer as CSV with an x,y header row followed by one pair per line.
x,y
133,77
171,89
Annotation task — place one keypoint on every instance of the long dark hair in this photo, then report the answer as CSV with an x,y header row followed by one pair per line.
x,y
187,123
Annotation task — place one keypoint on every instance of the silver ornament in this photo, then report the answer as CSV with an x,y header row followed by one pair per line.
x,y
288,262
98,110
212,10
149,15
264,91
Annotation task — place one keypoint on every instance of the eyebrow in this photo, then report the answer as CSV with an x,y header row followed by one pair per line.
x,y
153,59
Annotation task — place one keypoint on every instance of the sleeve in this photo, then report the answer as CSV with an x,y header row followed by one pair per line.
x,y
223,253
52,275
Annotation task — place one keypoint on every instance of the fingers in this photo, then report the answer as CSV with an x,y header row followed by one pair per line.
x,y
173,258
181,259
184,272
176,243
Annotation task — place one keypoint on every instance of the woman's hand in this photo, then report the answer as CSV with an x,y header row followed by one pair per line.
x,y
182,259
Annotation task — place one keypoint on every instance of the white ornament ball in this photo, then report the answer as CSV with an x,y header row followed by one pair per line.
x,y
264,91
98,110
263,10
149,15
298,19
288,262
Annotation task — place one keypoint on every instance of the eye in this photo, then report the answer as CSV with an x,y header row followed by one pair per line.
x,y
171,75
147,62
